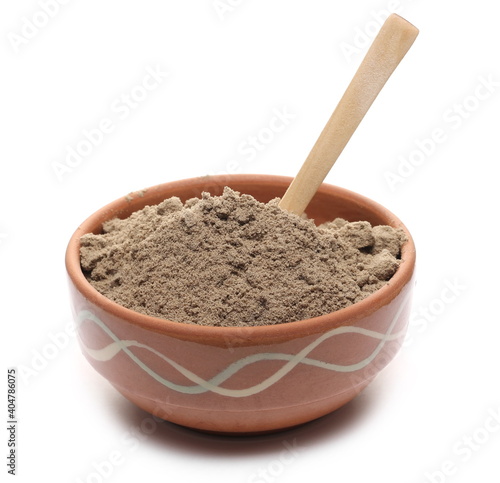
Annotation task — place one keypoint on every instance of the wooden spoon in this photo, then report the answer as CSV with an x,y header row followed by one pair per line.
x,y
387,50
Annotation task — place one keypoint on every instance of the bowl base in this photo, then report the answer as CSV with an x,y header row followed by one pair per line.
x,y
244,423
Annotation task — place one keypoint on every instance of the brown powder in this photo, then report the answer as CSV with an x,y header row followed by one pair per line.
x,y
232,261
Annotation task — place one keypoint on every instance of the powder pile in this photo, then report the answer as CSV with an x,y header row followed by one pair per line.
x,y
231,260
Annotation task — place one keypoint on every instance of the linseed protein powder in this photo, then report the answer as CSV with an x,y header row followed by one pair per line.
x,y
231,260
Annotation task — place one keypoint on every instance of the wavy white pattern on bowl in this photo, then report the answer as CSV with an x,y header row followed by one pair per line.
x,y
201,385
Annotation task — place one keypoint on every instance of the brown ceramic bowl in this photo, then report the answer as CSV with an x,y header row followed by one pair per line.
x,y
251,379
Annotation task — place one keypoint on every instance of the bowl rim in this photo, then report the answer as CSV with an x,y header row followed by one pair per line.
x,y
238,336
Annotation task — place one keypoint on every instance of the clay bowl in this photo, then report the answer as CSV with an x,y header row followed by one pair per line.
x,y
251,379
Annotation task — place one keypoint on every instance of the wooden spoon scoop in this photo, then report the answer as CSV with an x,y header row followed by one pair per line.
x,y
387,50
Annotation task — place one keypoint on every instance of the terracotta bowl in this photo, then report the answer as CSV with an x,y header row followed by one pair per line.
x,y
251,379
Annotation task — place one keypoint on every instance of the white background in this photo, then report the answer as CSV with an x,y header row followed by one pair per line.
x,y
228,71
